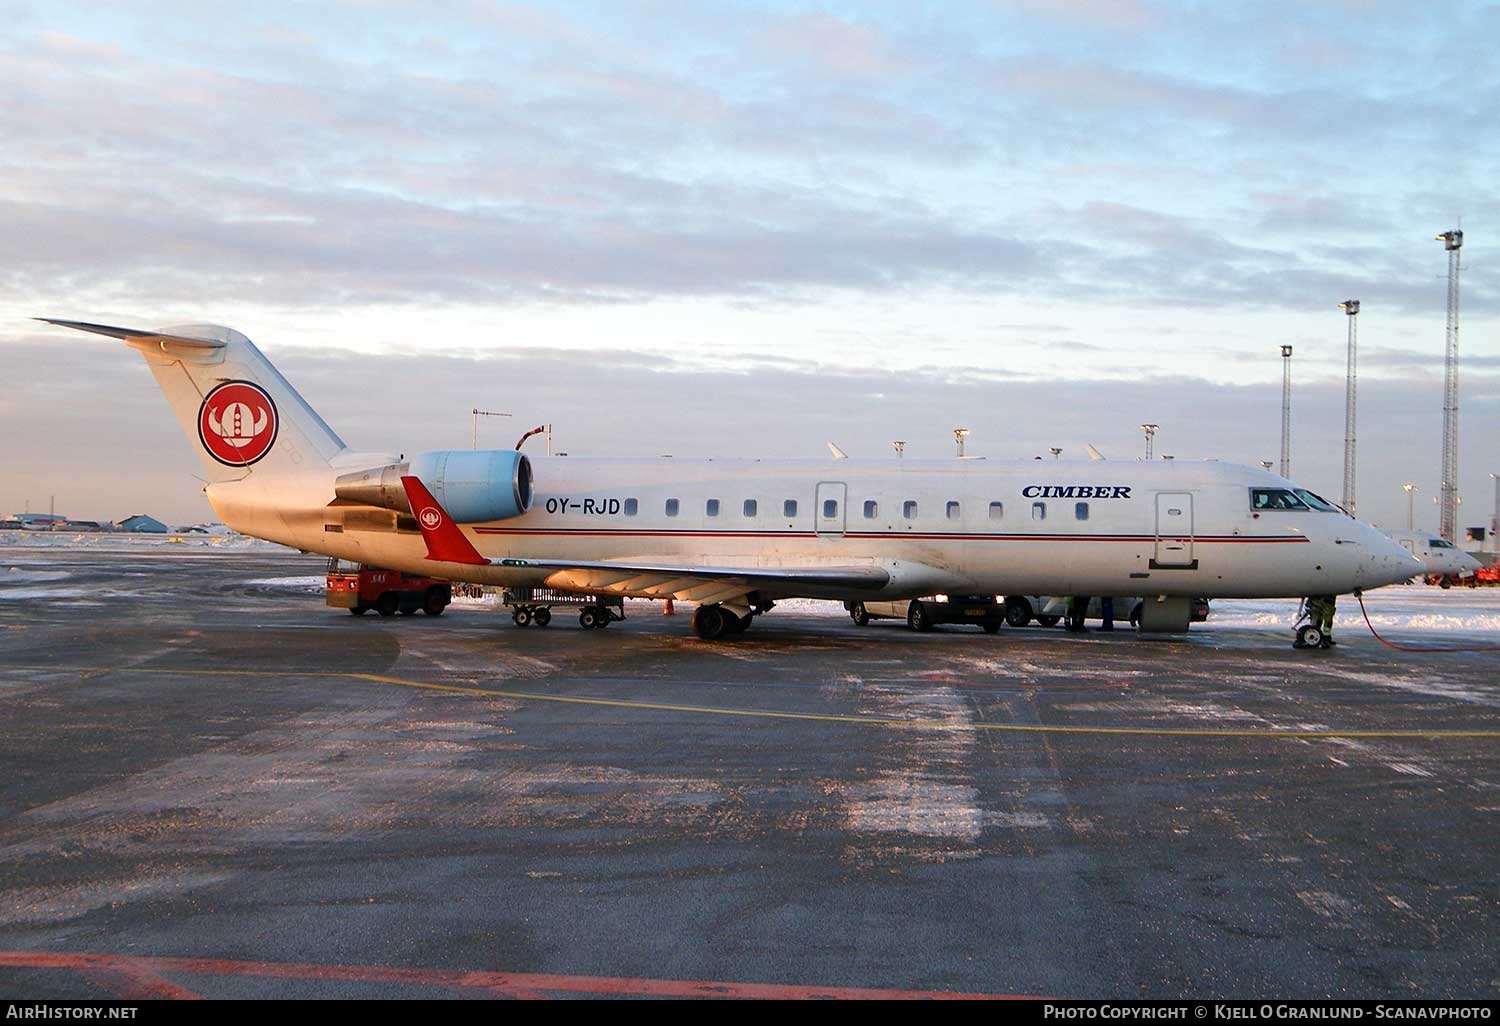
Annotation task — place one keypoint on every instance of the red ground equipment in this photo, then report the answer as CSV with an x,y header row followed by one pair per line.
x,y
359,589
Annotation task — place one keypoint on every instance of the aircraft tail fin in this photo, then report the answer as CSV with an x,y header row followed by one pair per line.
x,y
239,414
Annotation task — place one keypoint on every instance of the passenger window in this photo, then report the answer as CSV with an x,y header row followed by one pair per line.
x,y
830,508
997,510
632,506
1039,511
1080,511
711,508
750,507
789,508
952,511
909,509
872,509
671,507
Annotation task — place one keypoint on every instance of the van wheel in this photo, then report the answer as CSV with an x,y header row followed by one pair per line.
x,y
917,618
859,614
1018,613
1048,621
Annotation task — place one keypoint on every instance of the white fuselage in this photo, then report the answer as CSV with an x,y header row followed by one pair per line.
x,y
1173,528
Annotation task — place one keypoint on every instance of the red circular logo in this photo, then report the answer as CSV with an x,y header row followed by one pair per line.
x,y
237,423
430,518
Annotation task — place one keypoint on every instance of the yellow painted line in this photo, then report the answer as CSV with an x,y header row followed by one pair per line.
x,y
767,714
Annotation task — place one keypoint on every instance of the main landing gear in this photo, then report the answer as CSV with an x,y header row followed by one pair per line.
x,y
712,622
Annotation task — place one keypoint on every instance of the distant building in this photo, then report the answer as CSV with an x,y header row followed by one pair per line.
x,y
142,524
41,521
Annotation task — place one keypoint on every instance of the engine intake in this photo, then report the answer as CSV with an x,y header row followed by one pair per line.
x,y
473,486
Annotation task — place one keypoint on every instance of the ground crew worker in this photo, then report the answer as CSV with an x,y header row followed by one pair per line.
x,y
1078,608
1107,612
1320,610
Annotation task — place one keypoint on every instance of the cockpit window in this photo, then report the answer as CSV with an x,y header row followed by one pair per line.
x,y
1317,501
1440,543
1276,498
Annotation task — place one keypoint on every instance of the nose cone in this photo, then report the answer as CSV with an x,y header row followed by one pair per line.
x,y
1386,561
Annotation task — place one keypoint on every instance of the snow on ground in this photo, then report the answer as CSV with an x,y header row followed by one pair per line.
x,y
111,541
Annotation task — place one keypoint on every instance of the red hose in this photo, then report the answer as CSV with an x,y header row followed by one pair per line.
x,y
1417,648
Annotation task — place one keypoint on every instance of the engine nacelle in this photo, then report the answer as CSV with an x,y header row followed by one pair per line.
x,y
473,486
476,485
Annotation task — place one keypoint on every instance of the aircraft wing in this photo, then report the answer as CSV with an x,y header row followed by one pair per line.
x,y
447,543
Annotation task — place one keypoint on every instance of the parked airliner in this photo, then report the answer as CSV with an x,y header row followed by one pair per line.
x,y
1438,556
733,536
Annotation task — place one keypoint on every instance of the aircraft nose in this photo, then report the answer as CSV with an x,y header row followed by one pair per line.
x,y
1389,562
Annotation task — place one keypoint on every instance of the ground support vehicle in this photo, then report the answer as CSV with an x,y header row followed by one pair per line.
x,y
924,613
360,588
530,606
1048,610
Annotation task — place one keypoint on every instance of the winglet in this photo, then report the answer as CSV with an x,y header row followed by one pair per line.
x,y
445,542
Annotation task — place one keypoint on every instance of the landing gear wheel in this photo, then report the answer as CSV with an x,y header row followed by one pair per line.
x,y
1018,614
1048,621
859,614
522,616
434,602
917,618
388,603
737,624
542,617
709,622
1309,636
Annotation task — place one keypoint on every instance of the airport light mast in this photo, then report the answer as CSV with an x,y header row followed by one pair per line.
x,y
1411,492
1150,432
1351,377
485,413
1495,517
959,434
1286,411
900,447
1448,505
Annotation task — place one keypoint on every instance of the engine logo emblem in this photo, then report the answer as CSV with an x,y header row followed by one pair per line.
x,y
237,423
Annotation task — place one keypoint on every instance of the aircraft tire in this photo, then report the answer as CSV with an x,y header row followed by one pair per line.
x,y
359,610
709,622
1309,636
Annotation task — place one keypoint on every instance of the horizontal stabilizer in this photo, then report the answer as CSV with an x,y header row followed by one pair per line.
x,y
136,334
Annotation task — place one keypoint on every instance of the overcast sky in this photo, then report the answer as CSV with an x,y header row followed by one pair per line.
x,y
723,229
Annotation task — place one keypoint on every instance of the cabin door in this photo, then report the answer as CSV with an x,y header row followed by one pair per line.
x,y
830,512
1174,532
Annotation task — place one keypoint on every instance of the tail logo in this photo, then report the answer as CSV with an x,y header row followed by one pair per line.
x,y
237,423
431,518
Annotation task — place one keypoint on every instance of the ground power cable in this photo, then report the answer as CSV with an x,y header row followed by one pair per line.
x,y
1417,648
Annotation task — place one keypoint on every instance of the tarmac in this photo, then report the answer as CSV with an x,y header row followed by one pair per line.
x,y
213,785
